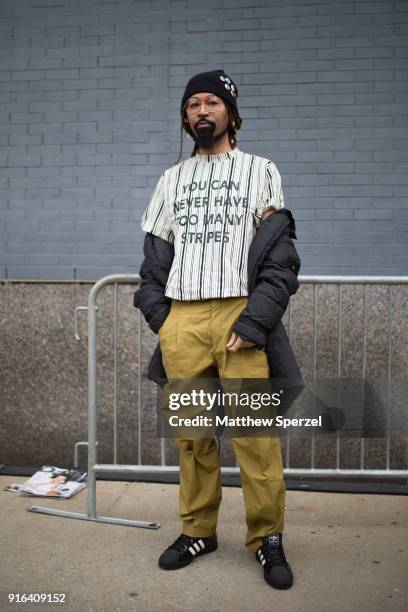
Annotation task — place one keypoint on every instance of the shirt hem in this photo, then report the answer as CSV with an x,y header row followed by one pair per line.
x,y
205,295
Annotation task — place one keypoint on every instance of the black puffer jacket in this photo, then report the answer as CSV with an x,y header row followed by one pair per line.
x,y
273,266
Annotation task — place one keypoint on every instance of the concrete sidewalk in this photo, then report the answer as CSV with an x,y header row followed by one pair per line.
x,y
347,552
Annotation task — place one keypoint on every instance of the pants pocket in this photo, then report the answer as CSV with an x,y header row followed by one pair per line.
x,y
168,331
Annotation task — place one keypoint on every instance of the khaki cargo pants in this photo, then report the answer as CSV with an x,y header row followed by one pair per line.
x,y
193,342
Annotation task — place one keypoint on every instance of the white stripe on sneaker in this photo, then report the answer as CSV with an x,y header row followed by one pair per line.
x,y
201,543
261,557
196,546
193,551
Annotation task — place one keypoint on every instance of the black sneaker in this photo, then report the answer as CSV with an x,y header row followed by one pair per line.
x,y
184,550
277,571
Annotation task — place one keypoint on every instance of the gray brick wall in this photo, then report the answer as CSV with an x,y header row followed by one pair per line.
x,y
89,94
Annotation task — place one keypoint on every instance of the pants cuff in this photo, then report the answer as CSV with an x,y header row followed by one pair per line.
x,y
253,546
198,532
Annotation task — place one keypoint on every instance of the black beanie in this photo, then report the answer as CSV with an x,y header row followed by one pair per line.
x,y
216,82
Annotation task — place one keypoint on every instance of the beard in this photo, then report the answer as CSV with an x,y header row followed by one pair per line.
x,y
205,137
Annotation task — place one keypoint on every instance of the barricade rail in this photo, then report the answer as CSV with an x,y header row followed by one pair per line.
x,y
94,468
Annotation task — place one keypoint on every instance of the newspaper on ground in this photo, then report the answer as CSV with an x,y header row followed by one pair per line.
x,y
51,481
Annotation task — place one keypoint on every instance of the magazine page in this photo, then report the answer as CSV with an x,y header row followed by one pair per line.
x,y
52,481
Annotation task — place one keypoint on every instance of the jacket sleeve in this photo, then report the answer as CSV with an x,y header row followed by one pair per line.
x,y
276,282
150,297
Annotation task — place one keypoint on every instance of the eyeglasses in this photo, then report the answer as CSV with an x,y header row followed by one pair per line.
x,y
193,105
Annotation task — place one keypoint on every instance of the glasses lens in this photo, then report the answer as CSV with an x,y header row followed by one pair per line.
x,y
193,104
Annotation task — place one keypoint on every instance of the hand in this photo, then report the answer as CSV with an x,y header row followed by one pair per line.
x,y
235,343
268,212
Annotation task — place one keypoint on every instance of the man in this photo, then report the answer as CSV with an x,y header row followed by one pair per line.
x,y
207,210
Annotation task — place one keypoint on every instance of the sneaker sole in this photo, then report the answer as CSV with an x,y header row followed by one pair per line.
x,y
277,586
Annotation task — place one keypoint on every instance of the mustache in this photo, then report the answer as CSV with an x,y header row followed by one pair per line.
x,y
204,122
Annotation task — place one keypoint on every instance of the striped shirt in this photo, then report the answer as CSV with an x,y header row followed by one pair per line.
x,y
209,207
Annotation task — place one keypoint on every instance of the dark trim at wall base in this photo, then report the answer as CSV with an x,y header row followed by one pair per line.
x,y
397,487
47,281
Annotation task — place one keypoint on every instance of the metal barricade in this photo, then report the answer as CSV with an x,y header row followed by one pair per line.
x,y
93,467
139,468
